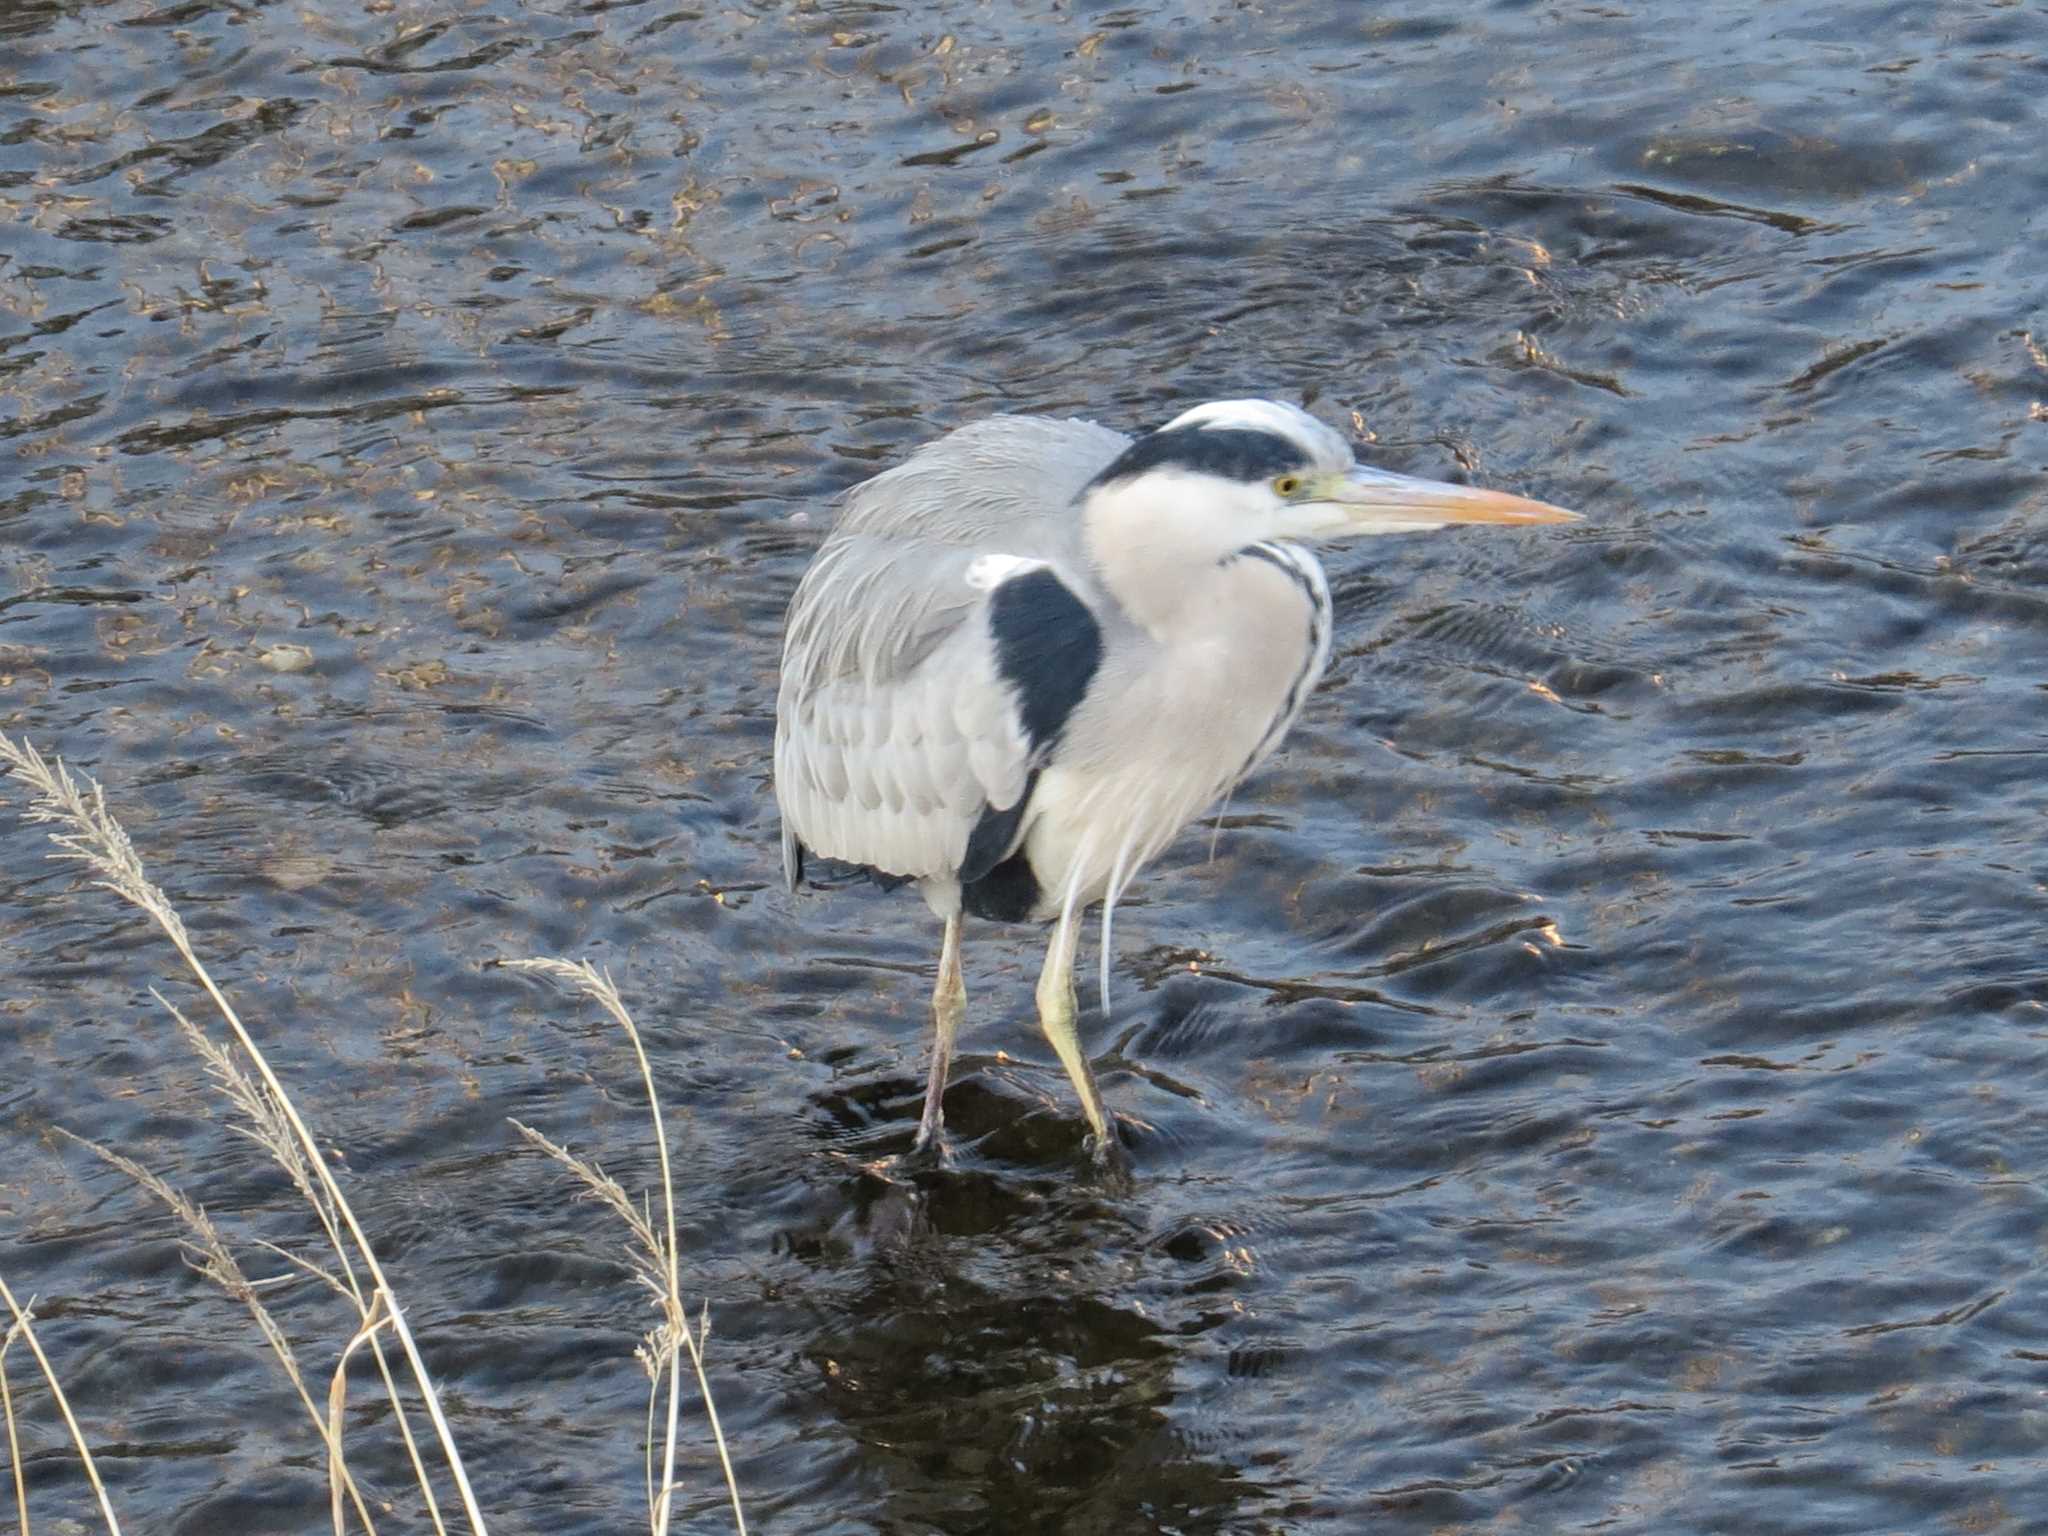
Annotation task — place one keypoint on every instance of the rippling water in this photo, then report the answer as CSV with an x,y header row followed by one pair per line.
x,y
1599,1080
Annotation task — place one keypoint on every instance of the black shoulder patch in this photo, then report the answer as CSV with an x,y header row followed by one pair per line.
x,y
1048,647
1235,453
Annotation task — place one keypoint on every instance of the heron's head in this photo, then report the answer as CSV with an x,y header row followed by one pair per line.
x,y
1235,472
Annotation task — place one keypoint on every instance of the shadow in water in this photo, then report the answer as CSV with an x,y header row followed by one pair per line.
x,y
993,1349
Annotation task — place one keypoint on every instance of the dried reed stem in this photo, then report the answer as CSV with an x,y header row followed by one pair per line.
x,y
13,1439
270,1128
655,1262
207,1252
25,1330
87,832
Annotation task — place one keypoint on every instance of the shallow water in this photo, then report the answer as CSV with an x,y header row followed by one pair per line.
x,y
1599,1079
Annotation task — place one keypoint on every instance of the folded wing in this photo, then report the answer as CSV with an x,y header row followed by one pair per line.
x,y
934,649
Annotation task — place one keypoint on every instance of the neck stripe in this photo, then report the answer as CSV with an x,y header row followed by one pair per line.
x,y
1308,575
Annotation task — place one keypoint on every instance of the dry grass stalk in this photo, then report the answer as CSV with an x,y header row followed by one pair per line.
x,y
13,1437
206,1251
652,1255
23,1328
337,1403
268,1125
86,831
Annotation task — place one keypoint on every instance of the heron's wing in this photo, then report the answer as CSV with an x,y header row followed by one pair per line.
x,y
935,647
895,767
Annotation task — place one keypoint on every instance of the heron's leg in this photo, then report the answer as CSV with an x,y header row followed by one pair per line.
x,y
1056,1013
949,1005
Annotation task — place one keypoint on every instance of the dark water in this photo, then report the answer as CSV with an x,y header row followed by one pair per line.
x,y
1599,1082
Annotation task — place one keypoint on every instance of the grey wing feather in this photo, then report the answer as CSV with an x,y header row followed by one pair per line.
x,y
981,486
894,727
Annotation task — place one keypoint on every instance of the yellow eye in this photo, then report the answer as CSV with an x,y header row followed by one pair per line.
x,y
1287,485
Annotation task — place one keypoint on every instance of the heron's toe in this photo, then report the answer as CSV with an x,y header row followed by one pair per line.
x,y
931,1152
1109,1154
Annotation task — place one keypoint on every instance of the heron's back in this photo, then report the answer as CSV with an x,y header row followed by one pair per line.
x,y
985,486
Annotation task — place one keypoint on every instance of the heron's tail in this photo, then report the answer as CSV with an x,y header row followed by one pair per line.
x,y
792,858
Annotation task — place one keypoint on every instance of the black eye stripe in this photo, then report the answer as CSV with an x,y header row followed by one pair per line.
x,y
1235,453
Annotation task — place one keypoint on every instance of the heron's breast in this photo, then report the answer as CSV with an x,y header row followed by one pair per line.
x,y
1172,724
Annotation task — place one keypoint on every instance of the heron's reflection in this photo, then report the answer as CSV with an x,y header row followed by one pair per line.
x,y
1004,1347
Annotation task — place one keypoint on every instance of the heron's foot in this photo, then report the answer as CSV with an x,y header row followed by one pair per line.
x,y
1106,1150
930,1153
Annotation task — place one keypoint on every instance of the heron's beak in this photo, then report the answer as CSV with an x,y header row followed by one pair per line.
x,y
1376,501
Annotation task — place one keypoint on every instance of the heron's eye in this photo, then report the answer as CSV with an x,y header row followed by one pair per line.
x,y
1287,485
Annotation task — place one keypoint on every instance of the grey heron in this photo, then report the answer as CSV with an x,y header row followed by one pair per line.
x,y
1025,658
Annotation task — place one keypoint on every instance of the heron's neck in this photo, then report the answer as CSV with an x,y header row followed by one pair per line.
x,y
1157,561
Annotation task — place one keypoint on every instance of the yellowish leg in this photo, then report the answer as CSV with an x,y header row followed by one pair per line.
x,y
1056,1013
949,1006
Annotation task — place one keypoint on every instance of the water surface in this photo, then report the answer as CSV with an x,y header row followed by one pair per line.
x,y
1598,1080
